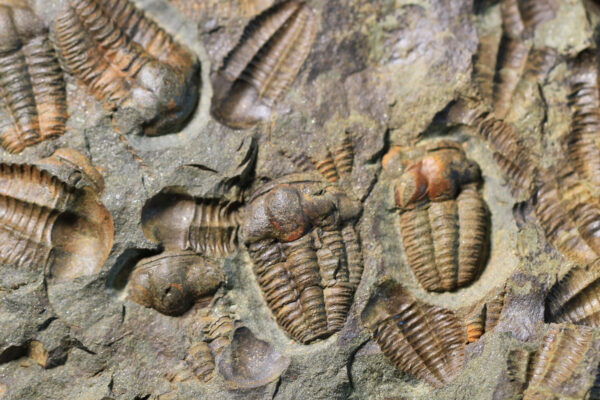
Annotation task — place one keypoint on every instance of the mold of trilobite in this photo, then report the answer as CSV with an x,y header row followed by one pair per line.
x,y
249,362
49,223
126,60
32,87
568,214
575,298
444,220
300,234
425,341
172,282
205,226
263,64
486,319
584,100
512,156
542,374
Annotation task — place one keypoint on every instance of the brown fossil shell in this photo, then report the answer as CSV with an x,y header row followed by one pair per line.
x,y
32,87
126,60
307,258
425,341
263,64
568,214
172,282
536,12
486,319
512,57
200,362
206,226
250,362
46,222
443,218
575,298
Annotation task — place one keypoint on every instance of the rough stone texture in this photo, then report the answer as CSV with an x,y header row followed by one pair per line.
x,y
383,69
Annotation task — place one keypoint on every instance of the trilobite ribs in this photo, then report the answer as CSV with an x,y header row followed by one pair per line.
x,y
127,60
32,88
568,214
424,341
263,64
485,320
300,234
443,218
47,223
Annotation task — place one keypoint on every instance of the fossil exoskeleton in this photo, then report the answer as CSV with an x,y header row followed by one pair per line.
x,y
425,341
263,64
126,60
50,223
568,213
486,319
300,234
443,217
32,88
543,373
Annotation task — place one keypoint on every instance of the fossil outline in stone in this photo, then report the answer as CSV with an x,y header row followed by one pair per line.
x,y
444,221
263,64
50,223
32,87
126,60
486,319
425,341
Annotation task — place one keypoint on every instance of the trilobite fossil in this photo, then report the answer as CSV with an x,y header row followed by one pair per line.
x,y
486,319
263,64
425,341
32,87
50,223
126,60
444,221
300,234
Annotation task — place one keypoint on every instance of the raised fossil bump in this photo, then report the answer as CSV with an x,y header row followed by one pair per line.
x,y
263,64
425,341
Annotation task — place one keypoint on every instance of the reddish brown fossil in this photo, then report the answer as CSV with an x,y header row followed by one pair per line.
x,y
127,60
486,319
443,218
300,234
263,64
32,88
425,341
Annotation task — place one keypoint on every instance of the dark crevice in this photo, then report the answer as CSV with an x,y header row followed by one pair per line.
x,y
351,361
46,323
12,353
277,386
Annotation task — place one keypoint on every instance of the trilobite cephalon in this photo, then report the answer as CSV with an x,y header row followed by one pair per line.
x,y
50,223
425,341
543,373
299,231
126,60
486,319
263,64
32,88
444,220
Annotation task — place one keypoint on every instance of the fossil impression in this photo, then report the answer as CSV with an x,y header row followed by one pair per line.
x,y
443,218
49,223
422,340
300,234
126,60
263,64
32,88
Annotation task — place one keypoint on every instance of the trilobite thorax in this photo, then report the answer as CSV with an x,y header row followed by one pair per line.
x,y
300,234
127,60
443,218
263,64
32,88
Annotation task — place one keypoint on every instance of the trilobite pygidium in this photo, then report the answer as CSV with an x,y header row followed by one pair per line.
x,y
126,60
443,217
300,234
54,224
32,88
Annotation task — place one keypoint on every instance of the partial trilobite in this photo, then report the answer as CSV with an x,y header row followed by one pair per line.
x,y
32,87
300,234
263,64
486,319
126,60
50,223
568,213
425,341
444,221
543,374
